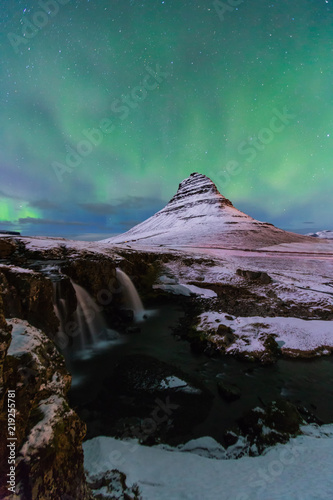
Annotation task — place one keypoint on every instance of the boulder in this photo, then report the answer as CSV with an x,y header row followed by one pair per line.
x,y
112,484
259,276
275,423
226,334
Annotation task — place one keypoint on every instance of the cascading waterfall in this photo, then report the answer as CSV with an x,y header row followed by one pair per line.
x,y
59,304
131,297
88,317
86,330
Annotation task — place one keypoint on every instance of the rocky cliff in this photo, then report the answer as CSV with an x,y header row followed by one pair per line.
x,y
49,434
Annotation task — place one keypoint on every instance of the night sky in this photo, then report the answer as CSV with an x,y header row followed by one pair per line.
x,y
106,106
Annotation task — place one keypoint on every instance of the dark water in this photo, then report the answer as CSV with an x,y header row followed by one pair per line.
x,y
303,382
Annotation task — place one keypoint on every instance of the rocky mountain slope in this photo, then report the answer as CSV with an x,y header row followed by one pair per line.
x,y
199,216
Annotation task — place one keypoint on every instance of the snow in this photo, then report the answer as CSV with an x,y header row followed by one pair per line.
x,y
173,383
42,432
298,470
16,269
295,333
25,338
198,215
326,234
28,339
186,290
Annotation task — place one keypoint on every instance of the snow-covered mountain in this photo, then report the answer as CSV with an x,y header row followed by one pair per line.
x,y
326,234
198,215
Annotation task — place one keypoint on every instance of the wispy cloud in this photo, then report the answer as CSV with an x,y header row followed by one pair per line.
x,y
99,208
129,203
44,205
49,222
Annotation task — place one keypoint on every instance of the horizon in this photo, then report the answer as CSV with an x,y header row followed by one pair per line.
x,y
65,229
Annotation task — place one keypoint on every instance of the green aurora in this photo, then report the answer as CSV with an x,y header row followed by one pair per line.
x,y
107,105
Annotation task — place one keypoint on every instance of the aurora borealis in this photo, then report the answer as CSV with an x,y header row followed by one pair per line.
x,y
107,105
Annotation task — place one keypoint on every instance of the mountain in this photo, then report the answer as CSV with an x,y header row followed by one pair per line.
x,y
199,216
326,234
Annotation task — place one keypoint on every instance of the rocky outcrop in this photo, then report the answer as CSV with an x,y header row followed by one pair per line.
x,y
28,295
49,434
273,424
5,339
112,485
258,276
94,273
7,247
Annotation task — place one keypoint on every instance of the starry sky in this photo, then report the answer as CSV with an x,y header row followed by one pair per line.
x,y
107,105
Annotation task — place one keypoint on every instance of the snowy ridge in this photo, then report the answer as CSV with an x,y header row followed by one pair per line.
x,y
326,234
198,215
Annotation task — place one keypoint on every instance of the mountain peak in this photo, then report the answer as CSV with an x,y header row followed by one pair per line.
x,y
198,189
198,215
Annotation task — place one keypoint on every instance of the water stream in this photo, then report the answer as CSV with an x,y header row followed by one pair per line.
x,y
304,382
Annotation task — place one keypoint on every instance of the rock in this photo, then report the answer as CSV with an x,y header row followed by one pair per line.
x,y
5,339
113,486
230,438
49,433
227,335
7,247
133,329
127,314
229,392
263,277
29,295
275,424
96,274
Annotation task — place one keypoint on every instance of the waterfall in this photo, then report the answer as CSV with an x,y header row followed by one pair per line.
x,y
131,297
59,305
85,331
88,317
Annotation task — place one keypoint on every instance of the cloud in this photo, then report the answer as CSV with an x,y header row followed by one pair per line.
x,y
128,203
99,208
12,196
43,205
49,222
6,223
138,202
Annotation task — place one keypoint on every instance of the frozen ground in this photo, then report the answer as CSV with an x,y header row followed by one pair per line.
x,y
301,274
290,333
298,470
